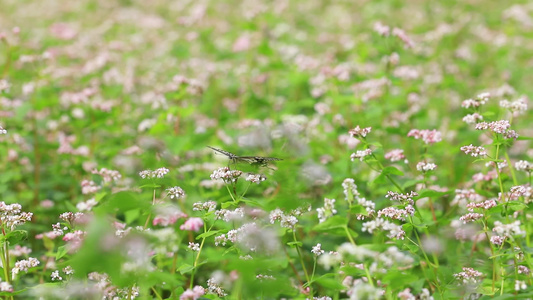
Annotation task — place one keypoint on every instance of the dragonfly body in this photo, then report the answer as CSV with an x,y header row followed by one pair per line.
x,y
253,160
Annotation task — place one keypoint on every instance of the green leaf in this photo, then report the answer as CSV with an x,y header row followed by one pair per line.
x,y
398,279
16,236
516,206
294,244
185,268
431,193
525,138
207,234
391,170
61,251
330,283
331,223
358,210
122,202
150,186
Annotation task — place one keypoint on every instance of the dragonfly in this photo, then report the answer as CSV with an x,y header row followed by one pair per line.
x,y
253,160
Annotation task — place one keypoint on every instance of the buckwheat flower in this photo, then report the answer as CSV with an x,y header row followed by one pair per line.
x,y
484,204
362,290
349,189
322,298
108,175
24,265
193,294
463,197
213,287
395,231
369,206
523,165
507,229
192,224
86,205
12,216
381,29
519,106
400,33
481,99
395,155
472,118
161,172
288,222
72,218
510,134
205,206
393,213
262,277
275,215
497,240
194,247
74,240
360,154
428,136
6,287
167,215
519,285
255,178
20,251
523,270
519,191
468,275
145,174
500,126
425,295
229,215
327,211
227,175
68,270
89,187
175,192
2,130
317,250
425,167
470,217
474,151
4,85
221,240
406,295
403,198
359,132
55,276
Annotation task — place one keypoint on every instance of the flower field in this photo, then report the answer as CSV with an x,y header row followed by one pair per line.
x,y
260,149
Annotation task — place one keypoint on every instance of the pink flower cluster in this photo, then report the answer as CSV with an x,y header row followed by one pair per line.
x,y
428,136
474,151
193,294
358,131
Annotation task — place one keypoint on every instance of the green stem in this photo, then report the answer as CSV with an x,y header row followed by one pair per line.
x,y
301,257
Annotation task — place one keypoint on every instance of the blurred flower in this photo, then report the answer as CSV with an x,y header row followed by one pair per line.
x,y
175,192
327,211
361,154
474,151
395,155
24,265
428,136
468,275
193,294
425,166
192,224
317,250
